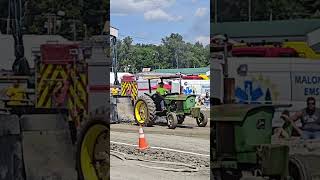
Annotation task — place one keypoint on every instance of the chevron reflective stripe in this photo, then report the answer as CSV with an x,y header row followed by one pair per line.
x,y
46,80
134,91
124,88
129,89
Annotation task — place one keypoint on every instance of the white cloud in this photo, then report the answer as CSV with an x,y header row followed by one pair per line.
x,y
160,15
205,40
134,6
201,12
194,1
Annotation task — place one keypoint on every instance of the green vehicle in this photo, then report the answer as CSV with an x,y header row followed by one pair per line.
x,y
148,106
242,146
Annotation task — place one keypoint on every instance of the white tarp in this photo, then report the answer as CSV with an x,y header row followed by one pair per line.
x,y
120,75
197,87
30,42
114,32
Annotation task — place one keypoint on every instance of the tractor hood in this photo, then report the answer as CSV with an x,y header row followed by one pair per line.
x,y
181,97
238,112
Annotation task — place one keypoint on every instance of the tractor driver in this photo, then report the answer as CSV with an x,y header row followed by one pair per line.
x,y
161,91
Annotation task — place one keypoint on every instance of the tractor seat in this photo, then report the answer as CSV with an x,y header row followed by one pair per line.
x,y
157,100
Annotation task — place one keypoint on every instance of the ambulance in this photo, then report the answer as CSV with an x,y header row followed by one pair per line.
x,y
271,80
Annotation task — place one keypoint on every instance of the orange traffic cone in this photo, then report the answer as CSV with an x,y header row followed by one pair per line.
x,y
142,140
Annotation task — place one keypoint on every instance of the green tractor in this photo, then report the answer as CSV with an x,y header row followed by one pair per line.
x,y
177,106
242,147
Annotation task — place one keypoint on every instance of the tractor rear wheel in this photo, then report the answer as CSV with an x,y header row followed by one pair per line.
x,y
202,120
145,111
172,120
181,119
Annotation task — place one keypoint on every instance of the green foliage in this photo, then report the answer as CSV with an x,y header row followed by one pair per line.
x,y
88,16
173,52
237,10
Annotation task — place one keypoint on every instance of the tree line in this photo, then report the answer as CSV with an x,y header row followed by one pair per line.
x,y
237,10
173,52
72,19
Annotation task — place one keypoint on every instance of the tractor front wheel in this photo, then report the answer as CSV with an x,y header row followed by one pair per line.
x,y
180,119
172,120
202,120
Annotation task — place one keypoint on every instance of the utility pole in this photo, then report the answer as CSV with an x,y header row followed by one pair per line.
x,y
229,83
20,65
177,60
249,7
20,14
54,24
9,16
216,11
85,32
115,63
225,50
74,30
49,24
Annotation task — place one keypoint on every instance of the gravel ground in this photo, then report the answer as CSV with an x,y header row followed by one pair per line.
x,y
162,155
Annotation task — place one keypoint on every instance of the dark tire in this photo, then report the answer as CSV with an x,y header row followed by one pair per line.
x,y
93,140
216,175
172,120
180,119
202,120
298,168
144,111
226,175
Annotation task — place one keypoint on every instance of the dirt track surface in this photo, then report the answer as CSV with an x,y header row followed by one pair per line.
x,y
187,138
188,128
129,170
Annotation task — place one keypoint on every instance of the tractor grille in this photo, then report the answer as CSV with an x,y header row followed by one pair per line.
x,y
179,105
225,139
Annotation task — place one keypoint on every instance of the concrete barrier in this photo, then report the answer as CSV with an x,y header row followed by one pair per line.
x,y
47,148
11,156
43,122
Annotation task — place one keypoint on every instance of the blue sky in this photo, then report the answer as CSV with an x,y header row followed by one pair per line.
x,y
147,21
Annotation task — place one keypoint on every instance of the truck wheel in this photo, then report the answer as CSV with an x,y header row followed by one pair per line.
x,y
145,111
202,120
216,175
172,120
226,175
298,168
180,119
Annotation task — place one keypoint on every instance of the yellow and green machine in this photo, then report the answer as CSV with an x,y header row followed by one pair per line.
x,y
242,147
177,107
